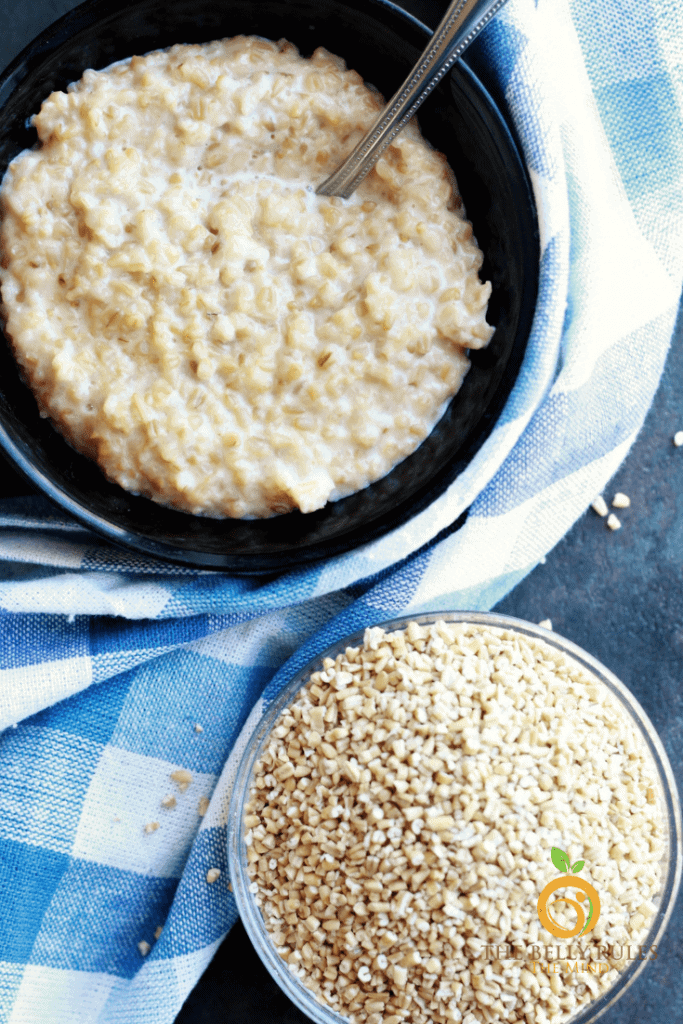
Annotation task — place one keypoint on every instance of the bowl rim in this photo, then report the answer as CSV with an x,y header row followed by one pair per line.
x,y
190,553
250,914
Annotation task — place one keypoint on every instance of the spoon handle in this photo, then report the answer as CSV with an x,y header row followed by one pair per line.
x,y
463,20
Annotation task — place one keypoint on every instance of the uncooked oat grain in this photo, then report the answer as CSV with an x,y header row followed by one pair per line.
x,y
203,806
600,506
621,500
613,522
402,816
212,875
182,778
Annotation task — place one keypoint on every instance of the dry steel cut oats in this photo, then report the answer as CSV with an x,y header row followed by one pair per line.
x,y
188,311
402,815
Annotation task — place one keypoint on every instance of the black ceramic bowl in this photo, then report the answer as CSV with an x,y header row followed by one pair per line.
x,y
381,42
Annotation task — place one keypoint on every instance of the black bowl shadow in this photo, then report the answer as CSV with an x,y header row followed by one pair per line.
x,y
460,119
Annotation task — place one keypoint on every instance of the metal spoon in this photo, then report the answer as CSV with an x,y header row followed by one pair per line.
x,y
463,20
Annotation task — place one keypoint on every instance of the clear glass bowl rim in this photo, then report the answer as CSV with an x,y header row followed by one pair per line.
x,y
250,914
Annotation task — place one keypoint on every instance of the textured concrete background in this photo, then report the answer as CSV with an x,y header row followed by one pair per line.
x,y
618,595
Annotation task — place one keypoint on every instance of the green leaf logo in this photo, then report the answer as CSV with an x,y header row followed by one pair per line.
x,y
577,867
560,859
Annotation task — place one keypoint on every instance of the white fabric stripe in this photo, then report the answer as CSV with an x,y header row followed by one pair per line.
x,y
618,295
489,546
158,985
30,688
48,995
124,795
533,69
22,547
88,593
542,188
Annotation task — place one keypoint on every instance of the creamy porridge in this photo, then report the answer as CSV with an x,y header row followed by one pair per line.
x,y
190,314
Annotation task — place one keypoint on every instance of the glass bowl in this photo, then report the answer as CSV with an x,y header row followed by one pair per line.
x,y
669,805
381,42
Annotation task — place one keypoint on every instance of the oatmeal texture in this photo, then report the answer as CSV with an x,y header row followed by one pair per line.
x,y
402,817
188,311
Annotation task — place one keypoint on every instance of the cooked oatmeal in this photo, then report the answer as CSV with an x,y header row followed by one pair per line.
x,y
190,314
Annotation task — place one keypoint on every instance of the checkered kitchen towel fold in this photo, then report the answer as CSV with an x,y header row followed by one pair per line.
x,y
163,666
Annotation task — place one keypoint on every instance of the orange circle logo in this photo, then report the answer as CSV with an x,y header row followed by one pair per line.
x,y
584,923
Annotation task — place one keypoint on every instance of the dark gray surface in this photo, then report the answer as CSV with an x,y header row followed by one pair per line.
x,y
619,595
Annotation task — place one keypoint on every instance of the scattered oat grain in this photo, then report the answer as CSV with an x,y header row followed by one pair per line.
x,y
546,623
144,947
182,778
151,826
158,930
600,506
203,806
613,522
678,438
621,500
212,875
198,727
168,802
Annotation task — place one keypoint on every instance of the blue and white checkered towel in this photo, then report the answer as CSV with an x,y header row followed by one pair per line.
x,y
162,667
